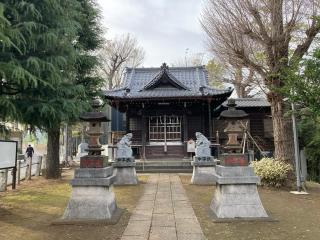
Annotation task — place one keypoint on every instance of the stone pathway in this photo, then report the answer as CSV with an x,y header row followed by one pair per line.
x,y
163,212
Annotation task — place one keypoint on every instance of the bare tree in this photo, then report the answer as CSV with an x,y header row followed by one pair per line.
x,y
215,69
216,73
246,81
190,60
266,36
117,54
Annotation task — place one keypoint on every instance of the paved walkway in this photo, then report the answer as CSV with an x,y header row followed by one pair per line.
x,y
163,212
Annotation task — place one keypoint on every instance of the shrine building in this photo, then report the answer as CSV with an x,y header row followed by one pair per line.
x,y
164,108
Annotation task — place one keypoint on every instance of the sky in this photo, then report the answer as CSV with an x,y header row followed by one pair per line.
x,y
168,30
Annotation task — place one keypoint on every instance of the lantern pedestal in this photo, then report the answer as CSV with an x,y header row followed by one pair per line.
x,y
93,161
234,159
92,197
125,171
203,171
236,194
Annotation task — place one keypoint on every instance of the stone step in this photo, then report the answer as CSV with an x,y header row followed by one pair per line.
x,y
164,163
164,166
162,170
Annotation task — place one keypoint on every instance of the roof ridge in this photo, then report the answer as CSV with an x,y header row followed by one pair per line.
x,y
157,68
218,89
253,98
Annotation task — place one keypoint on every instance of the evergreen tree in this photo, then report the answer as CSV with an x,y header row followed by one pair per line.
x,y
303,88
303,82
18,69
57,52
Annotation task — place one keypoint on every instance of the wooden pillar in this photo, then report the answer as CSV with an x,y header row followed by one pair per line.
x,y
210,120
185,133
117,116
203,119
185,127
127,122
143,135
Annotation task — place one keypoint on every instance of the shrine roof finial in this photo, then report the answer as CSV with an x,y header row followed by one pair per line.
x,y
164,66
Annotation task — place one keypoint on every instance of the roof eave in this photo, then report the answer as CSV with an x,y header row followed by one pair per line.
x,y
128,99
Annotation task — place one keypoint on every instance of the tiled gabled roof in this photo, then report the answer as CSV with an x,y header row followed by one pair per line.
x,y
164,77
142,83
249,102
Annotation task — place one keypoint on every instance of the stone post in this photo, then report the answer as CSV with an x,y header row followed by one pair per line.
x,y
18,171
39,163
3,180
27,169
44,165
29,175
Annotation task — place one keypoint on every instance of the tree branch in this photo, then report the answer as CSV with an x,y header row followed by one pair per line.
x,y
311,34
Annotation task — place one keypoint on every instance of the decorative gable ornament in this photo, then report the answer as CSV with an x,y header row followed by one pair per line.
x,y
165,79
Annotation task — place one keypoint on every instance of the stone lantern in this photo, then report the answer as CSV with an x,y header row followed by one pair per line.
x,y
92,196
233,116
94,159
236,195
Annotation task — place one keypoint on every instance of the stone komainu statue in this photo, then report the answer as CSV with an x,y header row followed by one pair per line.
x,y
124,147
202,146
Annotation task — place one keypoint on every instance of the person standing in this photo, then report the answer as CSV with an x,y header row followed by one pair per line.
x,y
30,152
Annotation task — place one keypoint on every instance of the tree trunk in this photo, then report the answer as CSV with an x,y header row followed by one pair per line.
x,y
53,170
282,130
110,79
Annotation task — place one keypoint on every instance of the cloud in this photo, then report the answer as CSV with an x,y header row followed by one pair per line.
x,y
165,28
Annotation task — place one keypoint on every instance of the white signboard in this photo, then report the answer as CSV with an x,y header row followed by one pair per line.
x,y
191,146
8,154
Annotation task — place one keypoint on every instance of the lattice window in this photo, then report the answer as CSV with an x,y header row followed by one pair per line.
x,y
165,128
134,124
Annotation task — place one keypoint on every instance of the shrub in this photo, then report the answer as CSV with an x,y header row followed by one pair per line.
x,y
272,172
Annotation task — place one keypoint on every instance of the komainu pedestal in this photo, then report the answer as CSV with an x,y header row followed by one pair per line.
x,y
203,163
236,194
203,171
125,172
124,165
92,197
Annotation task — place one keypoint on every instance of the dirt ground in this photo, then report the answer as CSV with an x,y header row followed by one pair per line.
x,y
27,213
298,216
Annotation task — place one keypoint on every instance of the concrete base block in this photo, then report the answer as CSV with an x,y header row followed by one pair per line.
x,y
90,203
203,175
235,175
125,176
237,201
